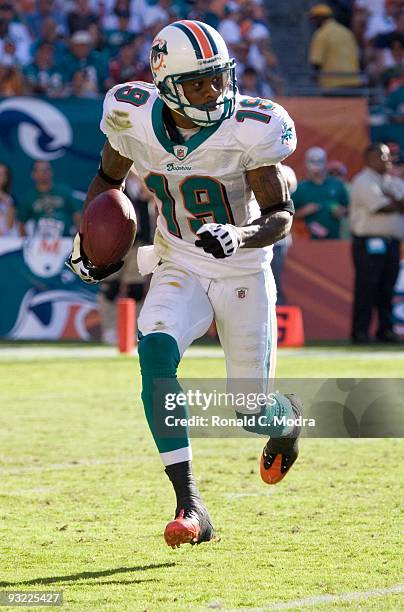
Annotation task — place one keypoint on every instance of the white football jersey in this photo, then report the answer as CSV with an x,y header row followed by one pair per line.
x,y
202,180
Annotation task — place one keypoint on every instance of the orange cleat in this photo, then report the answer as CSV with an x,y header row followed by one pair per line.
x,y
191,525
279,454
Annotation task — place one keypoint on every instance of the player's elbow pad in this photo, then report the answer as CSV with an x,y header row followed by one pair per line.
x,y
287,206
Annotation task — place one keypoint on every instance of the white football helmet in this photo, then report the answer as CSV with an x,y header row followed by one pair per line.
x,y
187,50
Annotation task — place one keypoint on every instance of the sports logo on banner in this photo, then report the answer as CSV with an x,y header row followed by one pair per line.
x,y
43,131
43,300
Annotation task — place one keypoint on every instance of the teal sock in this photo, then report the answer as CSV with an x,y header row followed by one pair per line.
x,y
266,426
159,357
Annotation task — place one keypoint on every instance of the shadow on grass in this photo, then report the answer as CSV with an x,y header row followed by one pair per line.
x,y
88,575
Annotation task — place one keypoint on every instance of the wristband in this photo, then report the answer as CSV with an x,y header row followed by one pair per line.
x,y
109,179
287,206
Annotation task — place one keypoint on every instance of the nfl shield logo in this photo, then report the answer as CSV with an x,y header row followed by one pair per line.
x,y
180,151
241,292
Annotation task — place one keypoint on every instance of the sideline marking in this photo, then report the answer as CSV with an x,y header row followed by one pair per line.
x,y
22,353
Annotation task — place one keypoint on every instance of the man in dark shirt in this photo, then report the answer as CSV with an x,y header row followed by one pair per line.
x,y
48,200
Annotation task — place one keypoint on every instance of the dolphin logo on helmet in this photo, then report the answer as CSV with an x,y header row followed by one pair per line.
x,y
187,50
157,53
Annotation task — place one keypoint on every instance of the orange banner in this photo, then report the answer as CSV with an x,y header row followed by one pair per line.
x,y
319,278
338,125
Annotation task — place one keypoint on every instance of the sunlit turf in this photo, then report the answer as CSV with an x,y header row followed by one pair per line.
x,y
84,499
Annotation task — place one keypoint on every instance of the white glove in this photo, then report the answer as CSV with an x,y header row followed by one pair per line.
x,y
219,240
78,263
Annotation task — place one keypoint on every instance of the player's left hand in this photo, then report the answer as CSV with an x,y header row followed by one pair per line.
x,y
78,263
219,240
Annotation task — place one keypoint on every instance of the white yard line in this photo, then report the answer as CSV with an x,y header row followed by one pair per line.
x,y
322,599
29,353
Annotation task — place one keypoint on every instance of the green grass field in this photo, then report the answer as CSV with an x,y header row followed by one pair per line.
x,y
84,499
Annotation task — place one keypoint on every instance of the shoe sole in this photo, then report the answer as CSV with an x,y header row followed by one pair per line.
x,y
181,531
274,474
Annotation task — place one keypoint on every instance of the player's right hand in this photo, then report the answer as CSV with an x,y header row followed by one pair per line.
x,y
78,263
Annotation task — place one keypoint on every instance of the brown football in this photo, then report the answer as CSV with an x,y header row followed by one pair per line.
x,y
108,228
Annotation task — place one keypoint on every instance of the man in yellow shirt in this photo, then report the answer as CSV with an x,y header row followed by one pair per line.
x,y
333,49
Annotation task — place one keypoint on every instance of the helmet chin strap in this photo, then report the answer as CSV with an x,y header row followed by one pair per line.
x,y
185,116
178,112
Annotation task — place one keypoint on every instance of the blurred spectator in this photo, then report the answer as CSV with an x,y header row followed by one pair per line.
x,y
387,52
360,18
49,34
394,103
14,31
25,7
46,9
381,16
320,200
397,160
333,49
337,169
12,81
81,17
83,67
8,51
120,35
377,225
110,19
49,200
382,41
83,58
252,85
159,12
254,31
244,28
125,67
211,13
342,10
98,45
8,223
229,28
43,75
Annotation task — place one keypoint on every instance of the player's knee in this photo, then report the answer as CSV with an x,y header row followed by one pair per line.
x,y
158,355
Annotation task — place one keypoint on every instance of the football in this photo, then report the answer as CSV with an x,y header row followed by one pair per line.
x,y
108,228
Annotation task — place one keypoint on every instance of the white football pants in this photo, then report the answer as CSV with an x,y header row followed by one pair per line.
x,y
183,305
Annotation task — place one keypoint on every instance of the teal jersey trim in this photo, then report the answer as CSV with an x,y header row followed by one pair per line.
x,y
193,143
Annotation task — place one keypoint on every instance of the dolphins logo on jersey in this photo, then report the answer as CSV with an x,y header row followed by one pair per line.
x,y
43,131
157,53
287,134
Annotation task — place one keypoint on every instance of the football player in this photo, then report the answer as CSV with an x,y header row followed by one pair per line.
x,y
211,158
